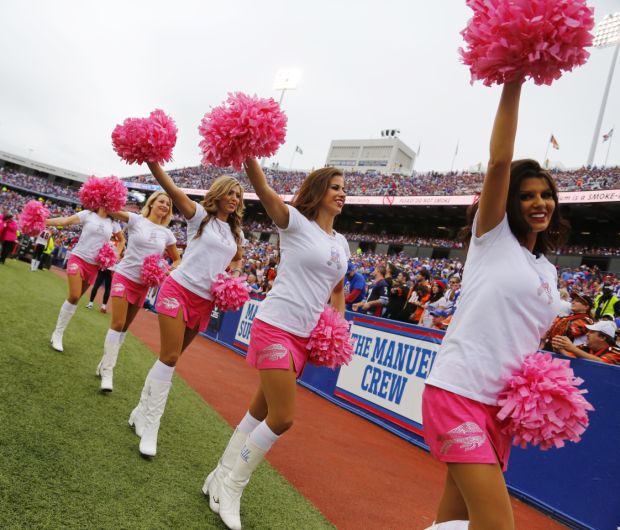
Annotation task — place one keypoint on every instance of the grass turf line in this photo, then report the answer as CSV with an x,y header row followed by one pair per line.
x,y
69,460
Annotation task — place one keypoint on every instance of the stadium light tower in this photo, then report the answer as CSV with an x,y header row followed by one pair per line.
x,y
286,79
607,34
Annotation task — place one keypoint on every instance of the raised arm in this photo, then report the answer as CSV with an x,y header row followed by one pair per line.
x,y
121,216
184,204
271,201
63,221
492,205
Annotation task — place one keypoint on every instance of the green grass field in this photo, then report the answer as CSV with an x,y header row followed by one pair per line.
x,y
68,459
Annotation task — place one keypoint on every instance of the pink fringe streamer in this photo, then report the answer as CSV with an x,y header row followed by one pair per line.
x,y
108,193
106,257
154,270
330,343
230,292
511,40
32,219
542,404
151,139
243,127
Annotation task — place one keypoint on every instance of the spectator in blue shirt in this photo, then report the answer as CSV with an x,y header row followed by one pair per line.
x,y
354,286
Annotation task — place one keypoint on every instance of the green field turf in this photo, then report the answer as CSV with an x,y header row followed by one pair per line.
x,y
68,459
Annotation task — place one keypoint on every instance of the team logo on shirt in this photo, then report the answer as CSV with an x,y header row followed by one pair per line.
x,y
334,259
118,288
468,436
544,288
169,302
273,352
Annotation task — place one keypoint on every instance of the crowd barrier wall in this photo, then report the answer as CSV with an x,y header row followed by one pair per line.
x,y
579,484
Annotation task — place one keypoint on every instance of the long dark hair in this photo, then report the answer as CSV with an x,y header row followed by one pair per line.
x,y
312,191
548,240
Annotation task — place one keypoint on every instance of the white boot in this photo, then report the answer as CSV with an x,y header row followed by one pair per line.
x,y
107,364
213,481
155,404
231,488
66,312
450,525
136,418
34,265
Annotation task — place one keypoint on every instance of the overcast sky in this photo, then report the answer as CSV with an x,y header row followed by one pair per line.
x,y
72,70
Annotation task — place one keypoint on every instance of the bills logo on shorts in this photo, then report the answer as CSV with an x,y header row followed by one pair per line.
x,y
118,288
73,268
273,352
169,303
468,436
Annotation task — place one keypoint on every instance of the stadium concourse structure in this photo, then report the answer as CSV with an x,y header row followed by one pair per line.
x,y
593,216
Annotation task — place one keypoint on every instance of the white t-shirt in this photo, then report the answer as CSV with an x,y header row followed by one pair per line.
x,y
508,300
207,256
145,238
311,265
96,232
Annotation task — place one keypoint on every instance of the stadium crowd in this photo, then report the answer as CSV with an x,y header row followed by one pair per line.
x,y
287,182
432,183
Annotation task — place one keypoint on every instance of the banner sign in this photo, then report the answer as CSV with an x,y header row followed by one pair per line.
x,y
242,336
565,197
387,373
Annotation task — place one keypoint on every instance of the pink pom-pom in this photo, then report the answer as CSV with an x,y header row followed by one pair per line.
x,y
230,292
511,40
330,343
32,219
243,127
108,193
542,404
106,257
154,270
151,139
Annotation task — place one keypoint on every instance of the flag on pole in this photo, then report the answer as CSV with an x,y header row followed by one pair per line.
x,y
298,150
608,135
554,142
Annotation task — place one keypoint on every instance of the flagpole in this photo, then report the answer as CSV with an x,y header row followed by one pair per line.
x,y
290,166
546,160
456,151
611,139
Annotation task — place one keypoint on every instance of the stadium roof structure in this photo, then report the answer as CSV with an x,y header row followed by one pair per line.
x,y
41,167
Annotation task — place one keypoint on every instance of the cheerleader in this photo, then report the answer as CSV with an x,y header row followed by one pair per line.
x,y
509,298
97,229
184,303
148,235
311,273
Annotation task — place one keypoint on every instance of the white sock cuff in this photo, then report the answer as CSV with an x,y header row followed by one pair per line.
x,y
248,423
112,336
69,308
161,372
263,436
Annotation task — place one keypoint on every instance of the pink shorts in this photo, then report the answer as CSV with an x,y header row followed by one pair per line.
x,y
124,287
461,430
270,348
196,310
87,271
